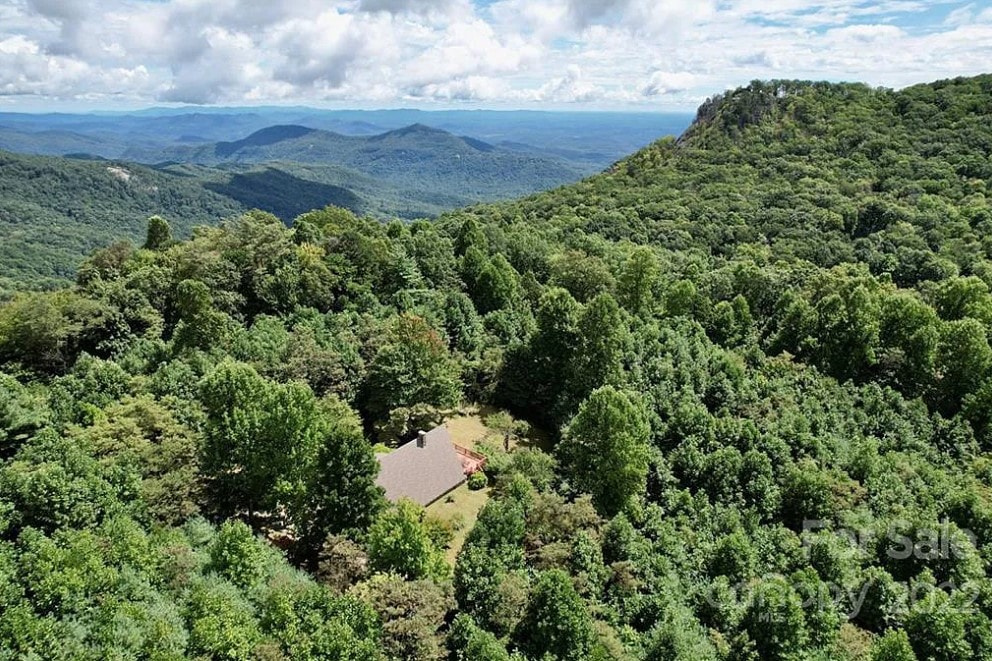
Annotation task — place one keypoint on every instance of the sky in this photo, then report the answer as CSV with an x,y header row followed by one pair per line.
x,y
540,54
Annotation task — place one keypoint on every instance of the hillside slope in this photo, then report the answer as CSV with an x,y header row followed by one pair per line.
x,y
822,172
53,211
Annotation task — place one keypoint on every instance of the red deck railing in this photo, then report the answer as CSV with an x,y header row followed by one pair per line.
x,y
472,461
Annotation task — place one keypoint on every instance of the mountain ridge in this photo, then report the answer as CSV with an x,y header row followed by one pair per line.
x,y
303,144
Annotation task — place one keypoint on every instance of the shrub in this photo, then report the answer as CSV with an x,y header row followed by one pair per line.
x,y
478,481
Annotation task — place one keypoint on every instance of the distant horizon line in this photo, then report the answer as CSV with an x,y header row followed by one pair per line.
x,y
244,109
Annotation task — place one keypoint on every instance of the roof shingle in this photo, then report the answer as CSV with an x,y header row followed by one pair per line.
x,y
421,473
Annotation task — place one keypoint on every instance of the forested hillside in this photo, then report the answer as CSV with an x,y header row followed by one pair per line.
x,y
53,211
761,354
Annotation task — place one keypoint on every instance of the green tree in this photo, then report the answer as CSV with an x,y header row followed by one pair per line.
x,y
341,493
413,368
537,377
909,334
23,412
848,332
583,276
263,443
684,300
557,623
963,361
497,286
237,450
470,235
412,615
468,642
53,482
46,331
605,449
143,434
159,234
775,621
201,325
221,622
399,542
893,646
937,626
490,583
474,263
598,361
635,286
237,555
957,298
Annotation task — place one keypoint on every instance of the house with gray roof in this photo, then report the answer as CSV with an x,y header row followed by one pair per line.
x,y
426,468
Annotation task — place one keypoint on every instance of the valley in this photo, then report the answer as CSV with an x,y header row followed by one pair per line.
x,y
411,172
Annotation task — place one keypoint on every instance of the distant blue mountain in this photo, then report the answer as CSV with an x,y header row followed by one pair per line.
x,y
415,157
589,140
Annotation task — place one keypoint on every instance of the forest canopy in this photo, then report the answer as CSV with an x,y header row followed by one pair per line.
x,y
760,353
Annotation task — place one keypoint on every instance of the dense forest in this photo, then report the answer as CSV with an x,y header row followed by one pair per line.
x,y
53,211
760,354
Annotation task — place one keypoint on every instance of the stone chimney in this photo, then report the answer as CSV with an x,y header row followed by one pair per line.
x,y
421,439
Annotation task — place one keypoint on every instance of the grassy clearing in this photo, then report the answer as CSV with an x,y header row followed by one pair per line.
x,y
469,429
462,506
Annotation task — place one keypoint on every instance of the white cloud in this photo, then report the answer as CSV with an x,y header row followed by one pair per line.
x,y
471,88
466,49
662,83
428,7
865,33
757,60
570,88
511,52
25,70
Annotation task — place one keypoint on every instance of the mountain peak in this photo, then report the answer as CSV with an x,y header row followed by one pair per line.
x,y
414,130
434,135
267,136
731,112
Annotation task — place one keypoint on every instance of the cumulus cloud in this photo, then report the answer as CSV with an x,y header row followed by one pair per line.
x,y
68,15
26,70
510,52
466,49
318,51
551,19
865,33
470,88
662,83
570,88
220,71
970,14
758,59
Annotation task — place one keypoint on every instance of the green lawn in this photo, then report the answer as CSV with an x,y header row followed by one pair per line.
x,y
461,507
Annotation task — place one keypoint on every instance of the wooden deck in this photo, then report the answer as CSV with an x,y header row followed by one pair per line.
x,y
472,462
